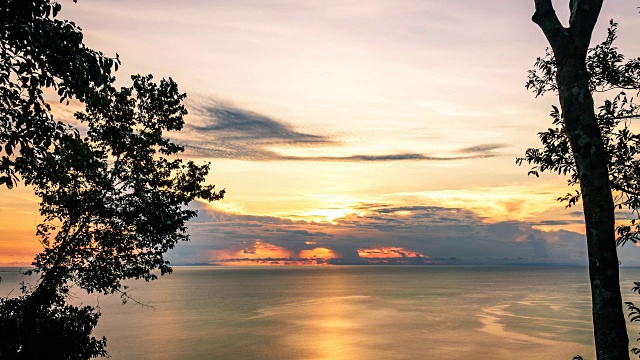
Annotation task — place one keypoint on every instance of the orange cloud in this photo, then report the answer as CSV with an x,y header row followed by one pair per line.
x,y
262,254
317,253
270,262
258,250
388,252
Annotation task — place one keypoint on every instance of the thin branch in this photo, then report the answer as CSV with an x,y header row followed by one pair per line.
x,y
624,117
626,191
604,90
125,295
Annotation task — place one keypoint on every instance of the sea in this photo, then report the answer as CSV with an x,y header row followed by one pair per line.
x,y
351,312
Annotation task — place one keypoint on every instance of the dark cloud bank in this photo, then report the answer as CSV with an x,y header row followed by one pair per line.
x,y
218,130
442,235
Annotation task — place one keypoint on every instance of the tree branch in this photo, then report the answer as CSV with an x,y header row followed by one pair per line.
x,y
45,284
584,15
545,17
624,117
604,90
626,191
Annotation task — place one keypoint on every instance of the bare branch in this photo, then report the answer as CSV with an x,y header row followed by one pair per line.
x,y
126,297
584,15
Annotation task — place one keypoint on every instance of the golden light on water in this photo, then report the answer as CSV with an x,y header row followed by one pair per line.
x,y
330,324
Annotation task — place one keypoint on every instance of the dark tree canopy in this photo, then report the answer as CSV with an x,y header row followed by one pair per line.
x,y
611,74
113,191
58,331
114,201
38,52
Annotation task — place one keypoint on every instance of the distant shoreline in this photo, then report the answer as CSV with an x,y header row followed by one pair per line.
x,y
16,268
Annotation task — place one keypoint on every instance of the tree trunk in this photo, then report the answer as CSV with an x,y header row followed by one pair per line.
x,y
591,161
570,47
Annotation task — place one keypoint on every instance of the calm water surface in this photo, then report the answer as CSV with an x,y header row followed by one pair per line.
x,y
353,312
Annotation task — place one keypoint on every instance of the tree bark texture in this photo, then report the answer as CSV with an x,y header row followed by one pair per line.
x,y
570,47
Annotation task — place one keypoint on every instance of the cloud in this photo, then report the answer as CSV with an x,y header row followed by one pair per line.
x,y
381,158
559,222
237,124
379,233
482,149
219,130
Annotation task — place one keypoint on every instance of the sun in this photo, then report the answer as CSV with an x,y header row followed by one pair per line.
x,y
327,215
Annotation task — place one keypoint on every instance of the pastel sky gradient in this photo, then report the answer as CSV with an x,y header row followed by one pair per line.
x,y
345,131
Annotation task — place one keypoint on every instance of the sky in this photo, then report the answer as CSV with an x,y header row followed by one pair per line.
x,y
349,131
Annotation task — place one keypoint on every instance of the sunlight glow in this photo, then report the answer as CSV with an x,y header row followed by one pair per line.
x,y
317,253
327,215
261,253
388,252
504,203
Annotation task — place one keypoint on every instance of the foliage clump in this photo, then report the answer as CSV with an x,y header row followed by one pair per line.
x,y
609,73
113,190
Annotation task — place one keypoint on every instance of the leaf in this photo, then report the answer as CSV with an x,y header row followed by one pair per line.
x,y
56,9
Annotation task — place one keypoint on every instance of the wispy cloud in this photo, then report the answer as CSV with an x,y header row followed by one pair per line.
x,y
486,149
219,130
380,158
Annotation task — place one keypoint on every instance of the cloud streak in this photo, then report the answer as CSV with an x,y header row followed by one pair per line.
x,y
384,158
486,149
218,130
242,125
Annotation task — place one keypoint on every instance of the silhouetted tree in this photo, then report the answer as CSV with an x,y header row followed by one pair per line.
x,y
596,150
38,52
113,199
